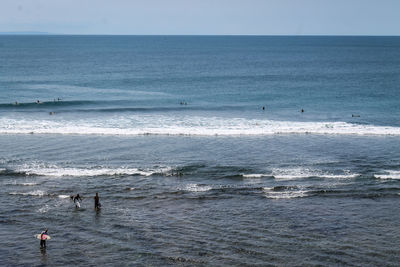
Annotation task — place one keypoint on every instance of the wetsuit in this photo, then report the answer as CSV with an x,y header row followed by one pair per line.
x,y
43,239
77,200
96,202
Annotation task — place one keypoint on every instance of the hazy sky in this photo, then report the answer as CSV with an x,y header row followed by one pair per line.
x,y
264,17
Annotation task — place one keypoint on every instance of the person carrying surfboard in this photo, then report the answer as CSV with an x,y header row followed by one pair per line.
x,y
77,199
43,237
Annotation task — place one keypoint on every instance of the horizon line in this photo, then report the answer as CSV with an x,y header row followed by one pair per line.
x,y
38,33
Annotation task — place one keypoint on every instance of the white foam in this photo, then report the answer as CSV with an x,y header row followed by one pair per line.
x,y
134,124
340,176
56,171
254,175
196,188
39,193
15,183
44,209
388,175
269,193
28,184
267,188
63,196
298,173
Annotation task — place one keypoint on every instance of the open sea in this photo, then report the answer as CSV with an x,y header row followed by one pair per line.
x,y
190,169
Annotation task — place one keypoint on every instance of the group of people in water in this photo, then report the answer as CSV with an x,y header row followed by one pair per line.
x,y
16,103
39,102
77,201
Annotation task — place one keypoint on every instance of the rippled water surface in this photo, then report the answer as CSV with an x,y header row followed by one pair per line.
x,y
191,171
201,201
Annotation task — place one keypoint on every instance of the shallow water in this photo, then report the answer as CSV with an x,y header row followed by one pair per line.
x,y
212,203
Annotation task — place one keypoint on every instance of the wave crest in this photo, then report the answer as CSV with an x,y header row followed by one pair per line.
x,y
55,171
395,175
183,125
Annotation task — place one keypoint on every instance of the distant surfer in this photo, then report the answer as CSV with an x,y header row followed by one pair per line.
x,y
38,102
77,200
263,108
302,110
97,204
43,237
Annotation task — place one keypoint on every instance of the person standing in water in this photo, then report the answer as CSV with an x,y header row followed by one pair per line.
x,y
77,199
97,204
43,237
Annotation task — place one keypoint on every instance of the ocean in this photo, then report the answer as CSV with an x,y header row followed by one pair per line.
x,y
205,150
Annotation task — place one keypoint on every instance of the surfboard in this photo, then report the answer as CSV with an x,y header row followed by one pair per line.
x,y
77,204
38,236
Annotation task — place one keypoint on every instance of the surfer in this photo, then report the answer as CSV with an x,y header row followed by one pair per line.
x,y
97,204
77,199
43,237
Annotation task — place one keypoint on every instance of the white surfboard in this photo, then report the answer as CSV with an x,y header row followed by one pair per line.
x,y
38,236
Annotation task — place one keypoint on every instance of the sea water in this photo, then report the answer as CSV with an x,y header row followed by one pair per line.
x,y
205,150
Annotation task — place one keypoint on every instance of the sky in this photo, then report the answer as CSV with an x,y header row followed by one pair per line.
x,y
202,17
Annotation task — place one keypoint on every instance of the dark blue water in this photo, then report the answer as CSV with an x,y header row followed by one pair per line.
x,y
190,169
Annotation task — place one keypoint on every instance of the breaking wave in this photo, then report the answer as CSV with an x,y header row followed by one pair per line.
x,y
284,193
135,124
254,175
196,188
298,173
55,171
38,193
388,175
